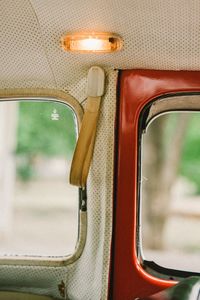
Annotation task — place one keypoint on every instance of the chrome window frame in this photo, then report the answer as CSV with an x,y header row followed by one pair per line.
x,y
175,102
61,97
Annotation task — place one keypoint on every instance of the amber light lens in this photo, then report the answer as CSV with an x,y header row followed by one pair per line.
x,y
91,42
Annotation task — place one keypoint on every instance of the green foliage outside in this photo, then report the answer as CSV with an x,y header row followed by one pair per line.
x,y
190,159
189,164
39,134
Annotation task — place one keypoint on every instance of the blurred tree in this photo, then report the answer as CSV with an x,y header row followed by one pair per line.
x,y
163,145
46,129
190,159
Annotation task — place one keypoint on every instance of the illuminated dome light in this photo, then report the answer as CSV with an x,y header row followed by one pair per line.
x,y
95,42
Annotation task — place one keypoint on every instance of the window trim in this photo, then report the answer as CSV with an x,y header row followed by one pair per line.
x,y
165,104
50,261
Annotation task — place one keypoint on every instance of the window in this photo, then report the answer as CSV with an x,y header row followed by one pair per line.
x,y
170,190
38,207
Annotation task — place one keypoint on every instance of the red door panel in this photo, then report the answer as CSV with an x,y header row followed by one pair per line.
x,y
137,88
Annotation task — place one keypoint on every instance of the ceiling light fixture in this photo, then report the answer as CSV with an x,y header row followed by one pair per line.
x,y
92,42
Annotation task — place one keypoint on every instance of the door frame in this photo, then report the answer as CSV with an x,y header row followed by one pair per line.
x,y
136,88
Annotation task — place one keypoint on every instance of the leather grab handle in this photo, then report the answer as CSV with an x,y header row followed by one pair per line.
x,y
85,144
86,140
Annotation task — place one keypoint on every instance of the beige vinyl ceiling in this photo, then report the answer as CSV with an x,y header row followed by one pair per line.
x,y
158,34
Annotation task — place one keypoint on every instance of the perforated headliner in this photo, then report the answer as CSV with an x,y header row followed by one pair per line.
x,y
157,34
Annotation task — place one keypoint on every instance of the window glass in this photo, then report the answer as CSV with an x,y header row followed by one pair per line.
x,y
170,191
38,207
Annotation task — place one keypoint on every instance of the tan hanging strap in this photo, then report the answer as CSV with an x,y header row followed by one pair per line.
x,y
86,140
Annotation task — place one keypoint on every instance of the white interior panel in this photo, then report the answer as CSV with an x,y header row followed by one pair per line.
x,y
87,278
